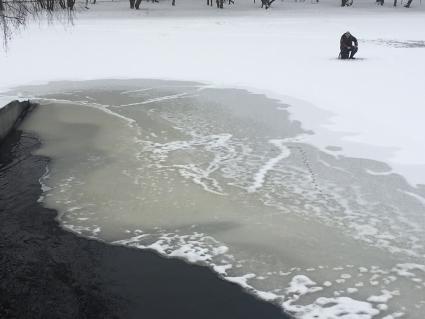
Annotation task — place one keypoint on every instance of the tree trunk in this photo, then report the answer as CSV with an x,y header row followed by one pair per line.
x,y
173,3
137,4
408,4
1,5
395,3
50,5
132,4
70,4
220,4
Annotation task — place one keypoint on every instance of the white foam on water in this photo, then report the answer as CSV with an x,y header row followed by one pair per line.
x,y
155,100
394,315
406,270
136,91
195,248
334,308
386,295
416,196
102,107
269,165
242,280
301,285
200,175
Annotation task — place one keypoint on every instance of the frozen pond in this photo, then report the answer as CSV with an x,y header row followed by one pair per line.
x,y
222,176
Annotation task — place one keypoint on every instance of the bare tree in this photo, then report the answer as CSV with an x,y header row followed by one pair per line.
x,y
16,13
266,3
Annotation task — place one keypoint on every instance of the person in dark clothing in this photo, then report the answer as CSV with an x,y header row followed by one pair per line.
x,y
348,46
408,4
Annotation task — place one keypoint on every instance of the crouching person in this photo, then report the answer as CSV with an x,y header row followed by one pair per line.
x,y
348,46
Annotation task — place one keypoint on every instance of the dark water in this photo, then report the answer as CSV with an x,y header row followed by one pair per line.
x,y
46,272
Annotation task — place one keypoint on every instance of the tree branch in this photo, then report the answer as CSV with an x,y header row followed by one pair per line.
x,y
7,17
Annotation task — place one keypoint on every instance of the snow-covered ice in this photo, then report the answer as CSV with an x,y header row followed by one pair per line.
x,y
373,108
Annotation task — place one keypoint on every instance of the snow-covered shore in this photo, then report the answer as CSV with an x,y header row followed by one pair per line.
x,y
373,108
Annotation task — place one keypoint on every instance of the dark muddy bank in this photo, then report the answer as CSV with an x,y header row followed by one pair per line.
x,y
12,114
47,272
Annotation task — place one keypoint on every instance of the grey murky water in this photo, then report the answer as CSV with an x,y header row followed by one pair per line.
x,y
222,176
